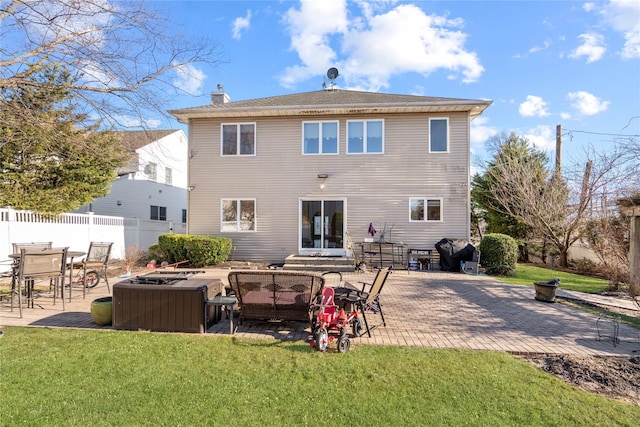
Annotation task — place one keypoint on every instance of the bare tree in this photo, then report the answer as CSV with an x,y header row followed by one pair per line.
x,y
122,56
557,207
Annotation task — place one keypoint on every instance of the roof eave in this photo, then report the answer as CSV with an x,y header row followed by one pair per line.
x,y
475,108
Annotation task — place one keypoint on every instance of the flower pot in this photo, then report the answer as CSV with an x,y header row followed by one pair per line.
x,y
102,311
546,291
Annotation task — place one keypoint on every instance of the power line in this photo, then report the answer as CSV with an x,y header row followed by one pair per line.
x,y
569,132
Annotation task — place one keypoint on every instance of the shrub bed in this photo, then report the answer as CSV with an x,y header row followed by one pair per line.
x,y
201,251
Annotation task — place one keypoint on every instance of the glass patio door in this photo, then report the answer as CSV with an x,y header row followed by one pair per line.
x,y
322,227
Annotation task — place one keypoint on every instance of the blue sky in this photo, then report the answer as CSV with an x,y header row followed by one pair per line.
x,y
543,63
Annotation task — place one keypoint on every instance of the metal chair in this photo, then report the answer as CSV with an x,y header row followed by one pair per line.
x,y
365,300
40,264
97,258
32,246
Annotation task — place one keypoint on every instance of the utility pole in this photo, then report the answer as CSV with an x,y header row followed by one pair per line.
x,y
558,150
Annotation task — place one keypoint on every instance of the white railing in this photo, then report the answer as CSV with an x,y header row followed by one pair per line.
x,y
77,230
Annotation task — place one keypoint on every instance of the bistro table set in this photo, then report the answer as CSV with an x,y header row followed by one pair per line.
x,y
41,262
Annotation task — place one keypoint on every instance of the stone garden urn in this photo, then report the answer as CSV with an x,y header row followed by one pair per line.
x,y
546,291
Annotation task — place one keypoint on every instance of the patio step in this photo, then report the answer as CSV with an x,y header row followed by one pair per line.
x,y
319,263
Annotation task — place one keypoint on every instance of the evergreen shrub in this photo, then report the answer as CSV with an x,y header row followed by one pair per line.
x,y
499,254
201,251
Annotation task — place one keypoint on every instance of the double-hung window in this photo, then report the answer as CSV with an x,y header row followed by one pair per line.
x,y
424,209
439,135
238,139
238,215
158,213
152,171
365,136
320,138
168,176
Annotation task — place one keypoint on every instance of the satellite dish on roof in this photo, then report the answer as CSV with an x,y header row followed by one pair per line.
x,y
332,73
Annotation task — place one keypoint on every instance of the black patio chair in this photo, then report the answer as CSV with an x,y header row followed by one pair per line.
x,y
366,299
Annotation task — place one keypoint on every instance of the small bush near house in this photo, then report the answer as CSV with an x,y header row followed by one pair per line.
x,y
205,250
199,250
499,254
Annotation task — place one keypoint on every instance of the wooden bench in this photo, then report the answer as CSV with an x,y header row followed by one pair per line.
x,y
275,295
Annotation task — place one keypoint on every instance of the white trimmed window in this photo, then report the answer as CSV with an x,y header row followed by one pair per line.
x,y
439,135
423,209
168,176
238,215
238,139
319,137
365,136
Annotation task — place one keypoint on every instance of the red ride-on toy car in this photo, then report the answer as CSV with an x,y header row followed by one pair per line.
x,y
332,320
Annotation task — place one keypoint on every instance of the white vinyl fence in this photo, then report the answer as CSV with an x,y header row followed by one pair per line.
x,y
77,230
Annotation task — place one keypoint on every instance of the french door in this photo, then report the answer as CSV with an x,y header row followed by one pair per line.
x,y
322,227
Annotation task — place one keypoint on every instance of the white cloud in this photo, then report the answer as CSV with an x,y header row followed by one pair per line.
x,y
543,137
622,16
565,116
588,7
593,47
546,45
376,45
239,24
586,103
189,79
534,106
480,131
310,28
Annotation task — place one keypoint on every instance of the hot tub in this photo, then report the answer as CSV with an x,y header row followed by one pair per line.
x,y
168,301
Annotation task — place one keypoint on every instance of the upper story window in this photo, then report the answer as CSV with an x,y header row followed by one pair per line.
x,y
424,209
152,171
238,215
439,135
239,139
320,137
365,136
168,176
159,213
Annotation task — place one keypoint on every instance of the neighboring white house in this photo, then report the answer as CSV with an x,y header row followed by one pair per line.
x,y
303,173
153,186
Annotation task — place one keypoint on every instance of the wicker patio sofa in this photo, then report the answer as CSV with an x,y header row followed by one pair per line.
x,y
275,295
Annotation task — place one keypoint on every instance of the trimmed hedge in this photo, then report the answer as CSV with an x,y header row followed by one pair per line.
x,y
499,254
201,251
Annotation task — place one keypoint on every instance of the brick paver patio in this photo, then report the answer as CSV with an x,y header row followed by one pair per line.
x,y
428,309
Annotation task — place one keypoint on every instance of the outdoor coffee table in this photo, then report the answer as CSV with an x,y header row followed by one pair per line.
x,y
219,301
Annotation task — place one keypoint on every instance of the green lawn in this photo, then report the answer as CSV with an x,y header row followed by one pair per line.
x,y
526,274
53,377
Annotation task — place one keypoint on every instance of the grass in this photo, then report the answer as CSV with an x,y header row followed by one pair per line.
x,y
79,377
527,274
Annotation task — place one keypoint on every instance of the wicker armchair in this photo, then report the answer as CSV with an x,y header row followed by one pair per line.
x,y
275,295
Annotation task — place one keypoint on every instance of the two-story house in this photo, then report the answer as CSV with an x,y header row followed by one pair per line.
x,y
153,186
306,173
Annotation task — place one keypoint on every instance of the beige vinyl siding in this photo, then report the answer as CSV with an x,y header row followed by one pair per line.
x,y
376,187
